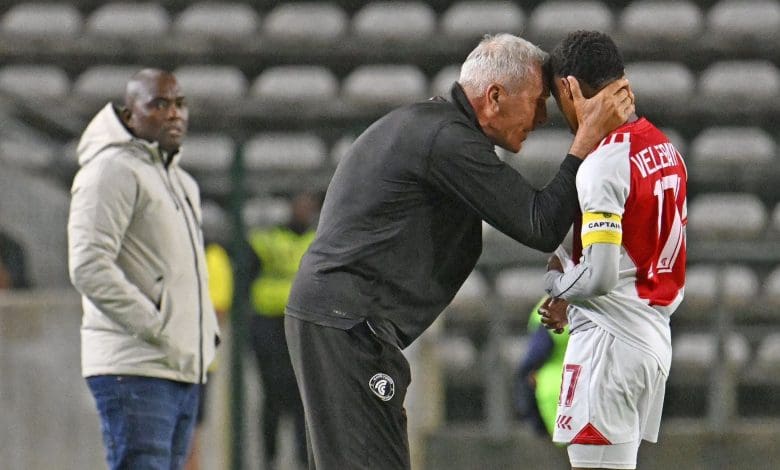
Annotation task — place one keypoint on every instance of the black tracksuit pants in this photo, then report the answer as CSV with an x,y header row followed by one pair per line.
x,y
353,386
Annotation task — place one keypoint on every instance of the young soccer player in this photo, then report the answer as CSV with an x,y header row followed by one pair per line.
x,y
630,272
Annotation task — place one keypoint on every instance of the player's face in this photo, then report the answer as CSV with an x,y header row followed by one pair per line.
x,y
160,114
563,98
515,115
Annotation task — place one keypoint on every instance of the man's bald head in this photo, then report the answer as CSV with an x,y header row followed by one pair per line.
x,y
141,82
155,109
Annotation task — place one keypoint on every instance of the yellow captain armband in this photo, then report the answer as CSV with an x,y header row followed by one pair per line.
x,y
601,227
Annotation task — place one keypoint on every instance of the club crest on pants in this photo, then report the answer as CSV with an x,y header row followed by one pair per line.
x,y
383,386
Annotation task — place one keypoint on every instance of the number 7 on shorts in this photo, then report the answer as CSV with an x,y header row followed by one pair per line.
x,y
571,373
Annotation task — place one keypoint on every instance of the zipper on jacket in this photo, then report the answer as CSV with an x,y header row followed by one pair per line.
x,y
197,269
169,184
200,293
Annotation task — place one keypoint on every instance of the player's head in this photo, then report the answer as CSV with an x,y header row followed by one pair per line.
x,y
592,58
155,109
503,80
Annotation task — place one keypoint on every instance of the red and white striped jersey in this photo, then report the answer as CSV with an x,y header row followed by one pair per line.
x,y
632,191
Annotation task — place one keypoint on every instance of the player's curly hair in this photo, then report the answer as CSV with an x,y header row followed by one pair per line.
x,y
590,56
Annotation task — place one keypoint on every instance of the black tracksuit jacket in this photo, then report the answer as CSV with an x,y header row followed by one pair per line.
x,y
400,229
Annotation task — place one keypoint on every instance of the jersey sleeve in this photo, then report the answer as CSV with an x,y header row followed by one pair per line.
x,y
603,184
604,179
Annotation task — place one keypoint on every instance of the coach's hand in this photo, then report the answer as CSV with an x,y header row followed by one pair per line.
x,y
599,115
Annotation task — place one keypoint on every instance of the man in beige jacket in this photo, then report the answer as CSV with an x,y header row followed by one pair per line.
x,y
135,252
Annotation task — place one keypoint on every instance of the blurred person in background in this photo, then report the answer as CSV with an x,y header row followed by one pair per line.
x,y
628,276
400,231
276,256
135,253
13,266
538,379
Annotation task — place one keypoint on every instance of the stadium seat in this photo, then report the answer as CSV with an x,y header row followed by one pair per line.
x,y
677,139
457,355
513,349
104,82
771,288
694,355
208,153
732,147
128,19
520,289
663,85
340,148
739,286
472,292
726,216
216,221
42,19
34,81
759,19
775,227
384,85
766,367
541,155
208,157
291,151
700,292
553,19
293,83
470,303
222,19
500,248
25,152
260,212
394,20
443,80
749,83
472,19
211,82
310,21
661,19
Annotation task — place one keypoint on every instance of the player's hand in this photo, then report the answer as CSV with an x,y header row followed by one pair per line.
x,y
599,115
554,264
553,312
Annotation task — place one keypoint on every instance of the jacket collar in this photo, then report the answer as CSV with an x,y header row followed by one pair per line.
x,y
462,102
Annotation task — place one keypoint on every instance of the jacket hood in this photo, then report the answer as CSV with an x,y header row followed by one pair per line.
x,y
106,130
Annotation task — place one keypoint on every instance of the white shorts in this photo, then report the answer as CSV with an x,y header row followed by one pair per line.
x,y
612,395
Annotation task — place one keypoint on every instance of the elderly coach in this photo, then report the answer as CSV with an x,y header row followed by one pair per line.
x,y
400,231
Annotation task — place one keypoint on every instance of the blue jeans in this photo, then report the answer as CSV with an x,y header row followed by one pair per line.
x,y
147,423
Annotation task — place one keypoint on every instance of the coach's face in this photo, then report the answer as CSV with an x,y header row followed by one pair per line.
x,y
158,113
508,118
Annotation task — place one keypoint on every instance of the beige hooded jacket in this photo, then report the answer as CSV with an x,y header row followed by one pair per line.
x,y
135,253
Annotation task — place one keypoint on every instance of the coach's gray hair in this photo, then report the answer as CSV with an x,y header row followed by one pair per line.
x,y
505,59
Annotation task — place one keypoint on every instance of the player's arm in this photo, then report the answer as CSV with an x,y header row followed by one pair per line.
x,y
595,275
602,184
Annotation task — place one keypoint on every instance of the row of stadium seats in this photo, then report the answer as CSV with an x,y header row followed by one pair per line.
x,y
729,153
728,159
669,88
405,20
